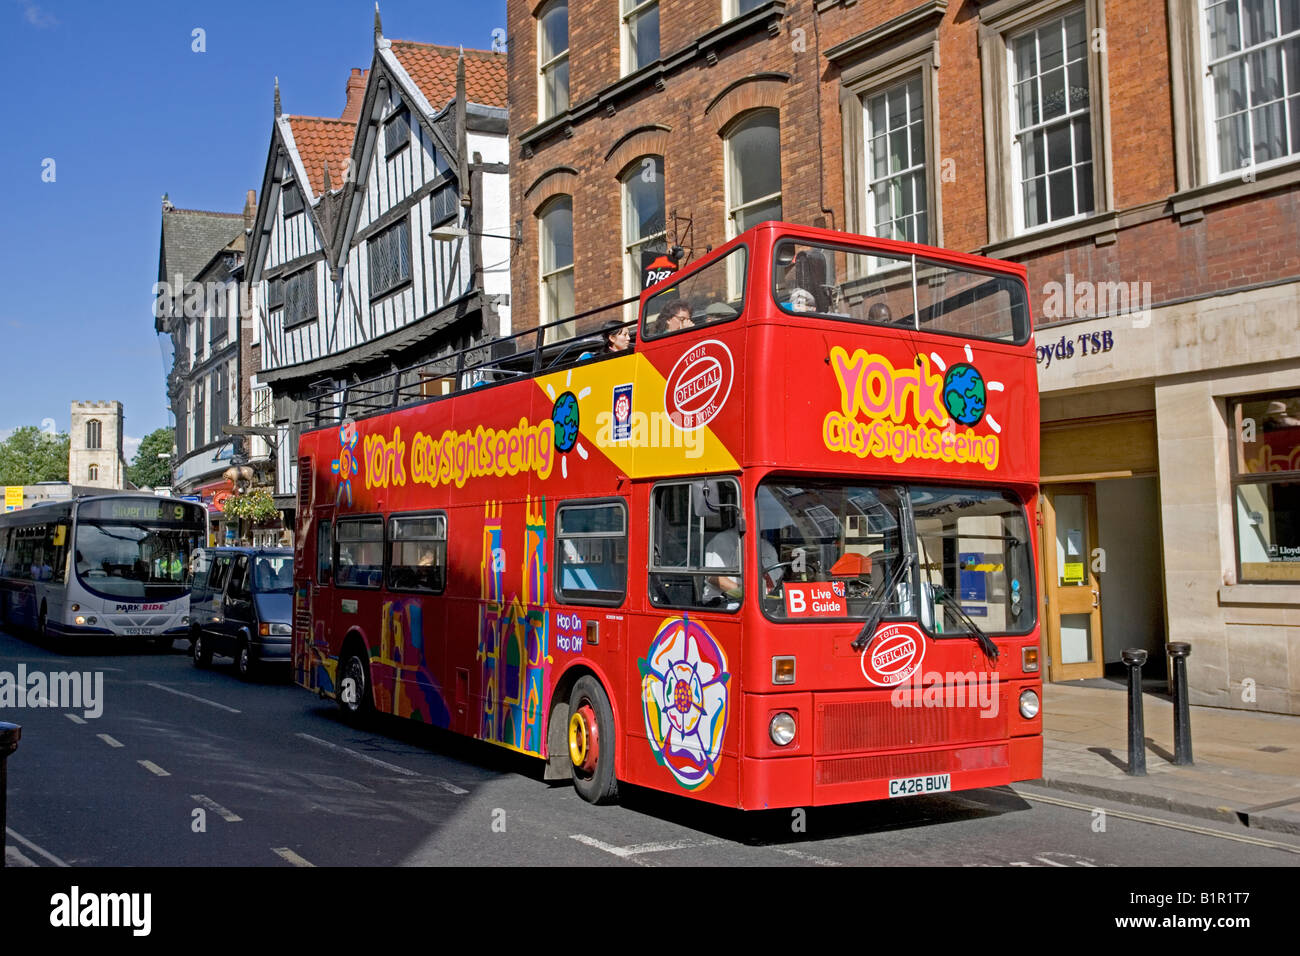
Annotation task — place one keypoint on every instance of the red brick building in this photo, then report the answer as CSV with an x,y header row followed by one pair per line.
x,y
1140,157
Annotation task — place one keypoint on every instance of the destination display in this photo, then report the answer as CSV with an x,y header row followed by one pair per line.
x,y
142,509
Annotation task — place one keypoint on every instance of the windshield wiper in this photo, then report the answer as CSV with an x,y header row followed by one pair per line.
x,y
986,644
880,603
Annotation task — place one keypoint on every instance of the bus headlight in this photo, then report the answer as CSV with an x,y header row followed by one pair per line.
x,y
185,619
74,607
782,729
1028,704
81,619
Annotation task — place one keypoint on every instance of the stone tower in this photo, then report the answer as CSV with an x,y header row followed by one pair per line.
x,y
95,456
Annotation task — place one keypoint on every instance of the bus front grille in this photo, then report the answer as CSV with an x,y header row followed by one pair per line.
x,y
878,723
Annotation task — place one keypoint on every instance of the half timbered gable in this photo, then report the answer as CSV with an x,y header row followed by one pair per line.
x,y
402,267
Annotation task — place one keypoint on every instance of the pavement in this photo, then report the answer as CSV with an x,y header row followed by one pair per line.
x,y
1246,769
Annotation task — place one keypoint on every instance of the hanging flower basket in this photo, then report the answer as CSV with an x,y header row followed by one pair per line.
x,y
256,505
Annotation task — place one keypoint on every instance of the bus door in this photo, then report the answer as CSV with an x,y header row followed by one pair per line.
x,y
592,580
319,595
696,590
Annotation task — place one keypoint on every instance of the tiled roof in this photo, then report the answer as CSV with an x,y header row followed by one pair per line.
x,y
433,68
319,139
191,237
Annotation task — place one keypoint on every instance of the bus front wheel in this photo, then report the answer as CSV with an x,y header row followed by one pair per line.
x,y
354,689
591,742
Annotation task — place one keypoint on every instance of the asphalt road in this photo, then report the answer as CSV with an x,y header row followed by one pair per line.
x,y
196,768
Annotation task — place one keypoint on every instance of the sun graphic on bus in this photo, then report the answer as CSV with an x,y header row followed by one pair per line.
x,y
565,418
345,465
965,393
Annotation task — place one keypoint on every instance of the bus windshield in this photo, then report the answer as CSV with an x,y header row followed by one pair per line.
x,y
134,561
832,551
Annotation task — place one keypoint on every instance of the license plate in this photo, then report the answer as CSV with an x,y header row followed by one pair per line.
x,y
910,786
137,630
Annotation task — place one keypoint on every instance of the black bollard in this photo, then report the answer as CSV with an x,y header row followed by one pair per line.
x,y
1137,753
9,735
1180,651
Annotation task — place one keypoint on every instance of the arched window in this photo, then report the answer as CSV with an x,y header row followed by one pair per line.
x,y
753,147
93,433
92,473
556,265
553,59
643,218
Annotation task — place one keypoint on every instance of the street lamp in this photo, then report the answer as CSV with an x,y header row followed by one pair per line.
x,y
449,233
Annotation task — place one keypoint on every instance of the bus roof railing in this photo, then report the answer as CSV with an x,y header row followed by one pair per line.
x,y
490,361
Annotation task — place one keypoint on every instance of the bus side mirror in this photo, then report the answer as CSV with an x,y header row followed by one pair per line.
x,y
705,497
706,501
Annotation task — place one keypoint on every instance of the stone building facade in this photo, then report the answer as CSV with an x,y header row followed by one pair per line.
x,y
95,456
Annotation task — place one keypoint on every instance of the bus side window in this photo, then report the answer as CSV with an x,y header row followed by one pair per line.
x,y
695,558
591,553
324,553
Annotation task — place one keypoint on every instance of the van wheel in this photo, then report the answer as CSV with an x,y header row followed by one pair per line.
x,y
591,742
244,663
200,653
353,695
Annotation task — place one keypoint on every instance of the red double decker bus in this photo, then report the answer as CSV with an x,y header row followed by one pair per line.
x,y
779,553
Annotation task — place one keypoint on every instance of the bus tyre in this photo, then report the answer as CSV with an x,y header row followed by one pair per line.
x,y
354,699
591,742
200,653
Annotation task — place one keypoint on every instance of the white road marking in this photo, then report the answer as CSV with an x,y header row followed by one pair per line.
x,y
74,718
34,848
452,788
228,815
1046,861
635,851
181,693
14,857
375,761
1156,821
153,768
285,853
110,741
806,857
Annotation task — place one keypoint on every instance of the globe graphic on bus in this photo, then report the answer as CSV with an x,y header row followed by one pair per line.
x,y
963,393
565,418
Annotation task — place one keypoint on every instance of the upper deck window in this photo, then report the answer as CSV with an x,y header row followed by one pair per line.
x,y
714,294
900,291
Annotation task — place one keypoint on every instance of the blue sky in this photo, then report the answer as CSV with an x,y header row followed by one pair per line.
x,y
114,94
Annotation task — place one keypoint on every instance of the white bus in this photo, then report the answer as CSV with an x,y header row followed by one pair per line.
x,y
107,565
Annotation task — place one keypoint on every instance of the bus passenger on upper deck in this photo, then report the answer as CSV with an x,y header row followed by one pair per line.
x,y
615,337
801,300
880,313
675,316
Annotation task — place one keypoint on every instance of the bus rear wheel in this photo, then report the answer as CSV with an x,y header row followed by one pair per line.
x,y
591,742
353,693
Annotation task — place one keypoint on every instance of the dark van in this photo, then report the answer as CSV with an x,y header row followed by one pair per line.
x,y
241,606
